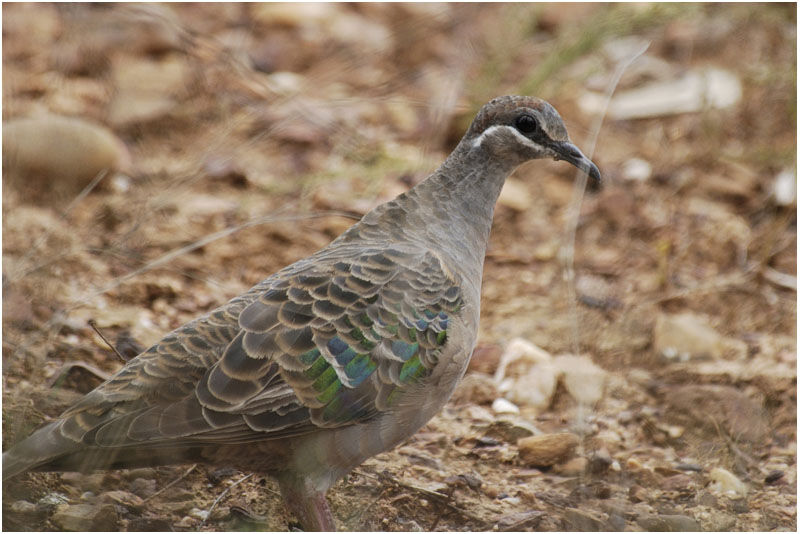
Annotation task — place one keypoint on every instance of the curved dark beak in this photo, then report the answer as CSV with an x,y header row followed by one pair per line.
x,y
572,154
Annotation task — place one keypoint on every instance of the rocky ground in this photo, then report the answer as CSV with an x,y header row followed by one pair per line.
x,y
641,376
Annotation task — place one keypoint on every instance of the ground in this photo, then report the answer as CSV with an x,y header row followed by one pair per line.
x,y
646,368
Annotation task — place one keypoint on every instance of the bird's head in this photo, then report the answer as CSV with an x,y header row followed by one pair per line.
x,y
516,129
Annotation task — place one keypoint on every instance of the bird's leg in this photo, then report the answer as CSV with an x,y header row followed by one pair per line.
x,y
308,504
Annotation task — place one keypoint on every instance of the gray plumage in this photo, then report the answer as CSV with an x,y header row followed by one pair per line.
x,y
333,359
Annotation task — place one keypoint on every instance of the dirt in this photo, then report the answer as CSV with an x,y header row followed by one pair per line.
x,y
254,134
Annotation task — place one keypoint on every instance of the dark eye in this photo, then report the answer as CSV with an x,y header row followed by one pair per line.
x,y
526,124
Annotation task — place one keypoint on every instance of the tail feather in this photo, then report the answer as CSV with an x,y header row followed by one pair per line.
x,y
42,447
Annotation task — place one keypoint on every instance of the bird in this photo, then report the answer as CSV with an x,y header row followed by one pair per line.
x,y
333,359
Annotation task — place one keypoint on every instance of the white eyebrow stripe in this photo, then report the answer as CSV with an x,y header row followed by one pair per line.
x,y
524,140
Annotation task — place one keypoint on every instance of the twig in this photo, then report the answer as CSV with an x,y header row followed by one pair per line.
x,y
67,366
93,324
203,241
573,210
222,496
162,490
779,279
441,509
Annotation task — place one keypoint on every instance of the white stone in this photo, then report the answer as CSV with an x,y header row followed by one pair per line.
x,y
694,92
502,405
727,483
784,188
584,380
637,170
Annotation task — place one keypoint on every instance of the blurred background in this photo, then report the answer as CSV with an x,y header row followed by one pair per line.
x,y
160,159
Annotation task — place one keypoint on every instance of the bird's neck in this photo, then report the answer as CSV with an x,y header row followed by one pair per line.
x,y
450,211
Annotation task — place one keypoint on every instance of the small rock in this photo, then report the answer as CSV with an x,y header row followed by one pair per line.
x,y
511,431
143,487
547,449
637,170
582,521
28,510
773,477
83,517
584,380
574,467
677,483
685,336
689,467
726,483
536,387
122,498
600,461
53,158
202,515
616,522
148,524
784,188
739,506
718,521
519,356
186,522
669,523
51,500
615,507
501,405
520,521
706,498
636,493
693,92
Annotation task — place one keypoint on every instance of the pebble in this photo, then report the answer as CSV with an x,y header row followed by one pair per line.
x,y
519,521
684,336
582,521
677,483
511,431
669,523
52,158
202,515
28,509
574,467
501,405
143,487
519,356
186,522
536,387
773,476
636,493
122,498
637,170
83,517
584,380
51,500
784,188
547,449
726,483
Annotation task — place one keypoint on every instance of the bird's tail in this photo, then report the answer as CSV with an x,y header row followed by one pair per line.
x,y
42,447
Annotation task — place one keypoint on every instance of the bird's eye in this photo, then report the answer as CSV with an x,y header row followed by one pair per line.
x,y
526,124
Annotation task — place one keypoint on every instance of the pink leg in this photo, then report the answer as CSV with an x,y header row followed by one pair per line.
x,y
308,505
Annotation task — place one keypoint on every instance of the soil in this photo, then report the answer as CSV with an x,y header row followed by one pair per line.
x,y
245,137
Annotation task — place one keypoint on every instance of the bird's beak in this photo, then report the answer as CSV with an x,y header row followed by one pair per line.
x,y
572,154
